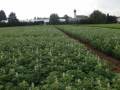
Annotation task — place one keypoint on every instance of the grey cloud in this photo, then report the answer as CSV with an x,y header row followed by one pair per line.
x,y
109,4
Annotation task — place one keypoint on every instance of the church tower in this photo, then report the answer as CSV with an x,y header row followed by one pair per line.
x,y
75,15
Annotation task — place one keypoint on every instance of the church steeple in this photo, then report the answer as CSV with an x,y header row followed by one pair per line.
x,y
75,15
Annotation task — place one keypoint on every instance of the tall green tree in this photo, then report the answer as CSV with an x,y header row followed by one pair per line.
x,y
12,18
2,15
98,17
54,19
111,19
66,17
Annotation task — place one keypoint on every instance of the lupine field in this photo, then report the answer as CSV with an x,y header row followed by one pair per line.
x,y
44,58
105,38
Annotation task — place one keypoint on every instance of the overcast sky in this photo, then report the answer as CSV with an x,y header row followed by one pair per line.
x,y
26,9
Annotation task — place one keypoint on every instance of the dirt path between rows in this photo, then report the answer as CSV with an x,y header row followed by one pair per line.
x,y
115,63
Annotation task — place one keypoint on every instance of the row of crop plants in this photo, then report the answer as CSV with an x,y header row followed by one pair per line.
x,y
106,40
43,58
111,26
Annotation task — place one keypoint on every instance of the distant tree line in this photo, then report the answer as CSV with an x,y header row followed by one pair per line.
x,y
12,20
96,17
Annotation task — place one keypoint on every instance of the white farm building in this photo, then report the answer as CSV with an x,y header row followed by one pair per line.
x,y
118,19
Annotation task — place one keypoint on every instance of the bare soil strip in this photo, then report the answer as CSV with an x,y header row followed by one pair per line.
x,y
115,63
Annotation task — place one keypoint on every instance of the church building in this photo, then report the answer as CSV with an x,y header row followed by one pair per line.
x,y
78,18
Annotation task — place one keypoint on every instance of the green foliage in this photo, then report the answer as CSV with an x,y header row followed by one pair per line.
x,y
105,38
66,17
2,15
54,19
12,19
42,58
97,17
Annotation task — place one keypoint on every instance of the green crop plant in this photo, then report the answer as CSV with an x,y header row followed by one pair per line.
x,y
104,39
43,58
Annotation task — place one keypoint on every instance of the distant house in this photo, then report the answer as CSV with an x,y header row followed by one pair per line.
x,y
118,19
81,17
4,21
77,18
45,20
62,20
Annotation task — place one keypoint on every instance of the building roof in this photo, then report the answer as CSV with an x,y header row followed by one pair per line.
x,y
82,16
